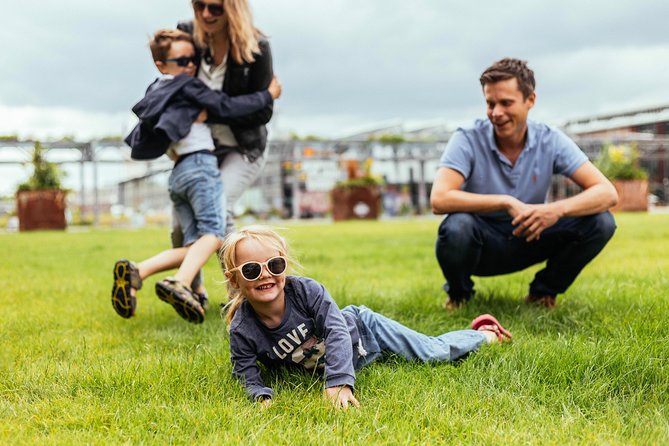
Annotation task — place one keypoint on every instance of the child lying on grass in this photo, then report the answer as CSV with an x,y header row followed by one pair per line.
x,y
290,321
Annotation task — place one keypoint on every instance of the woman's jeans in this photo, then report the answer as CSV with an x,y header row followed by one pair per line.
x,y
468,244
379,335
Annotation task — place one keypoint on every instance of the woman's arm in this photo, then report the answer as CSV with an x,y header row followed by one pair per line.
x,y
259,77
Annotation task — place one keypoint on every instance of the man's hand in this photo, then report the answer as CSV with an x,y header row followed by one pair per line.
x,y
515,207
274,88
340,396
534,219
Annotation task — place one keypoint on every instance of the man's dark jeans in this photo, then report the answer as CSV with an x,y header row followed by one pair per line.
x,y
468,244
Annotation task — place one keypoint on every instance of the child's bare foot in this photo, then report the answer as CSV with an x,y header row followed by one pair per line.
x,y
491,328
126,283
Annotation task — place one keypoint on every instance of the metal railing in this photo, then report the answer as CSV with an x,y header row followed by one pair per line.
x,y
297,168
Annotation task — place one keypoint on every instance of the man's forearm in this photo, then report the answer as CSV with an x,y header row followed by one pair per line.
x,y
461,201
593,200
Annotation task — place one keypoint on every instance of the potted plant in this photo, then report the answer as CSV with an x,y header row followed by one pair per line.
x,y
620,163
40,201
358,197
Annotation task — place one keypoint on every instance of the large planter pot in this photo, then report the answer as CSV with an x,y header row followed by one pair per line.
x,y
356,202
632,195
41,209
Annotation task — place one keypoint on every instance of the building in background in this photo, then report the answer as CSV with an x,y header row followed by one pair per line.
x,y
647,129
299,174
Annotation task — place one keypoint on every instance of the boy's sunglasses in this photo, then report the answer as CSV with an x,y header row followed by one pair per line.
x,y
253,270
214,10
184,60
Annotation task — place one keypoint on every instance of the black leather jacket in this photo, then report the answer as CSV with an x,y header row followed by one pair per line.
x,y
249,130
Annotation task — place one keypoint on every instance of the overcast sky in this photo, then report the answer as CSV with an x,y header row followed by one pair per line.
x,y
75,67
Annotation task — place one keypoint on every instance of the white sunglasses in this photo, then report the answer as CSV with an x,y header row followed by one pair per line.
x,y
253,270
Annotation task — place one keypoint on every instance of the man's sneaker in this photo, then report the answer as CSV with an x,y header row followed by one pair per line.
x,y
545,300
182,299
452,304
126,277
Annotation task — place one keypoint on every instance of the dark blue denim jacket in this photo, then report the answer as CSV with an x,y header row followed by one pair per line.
x,y
170,107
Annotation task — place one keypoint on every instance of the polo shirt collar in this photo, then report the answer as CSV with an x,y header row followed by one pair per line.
x,y
530,142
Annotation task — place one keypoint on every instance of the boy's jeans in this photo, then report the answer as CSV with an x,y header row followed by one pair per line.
x,y
379,335
237,174
196,191
468,244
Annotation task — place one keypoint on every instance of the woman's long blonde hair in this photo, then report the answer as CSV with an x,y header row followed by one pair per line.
x,y
262,234
243,36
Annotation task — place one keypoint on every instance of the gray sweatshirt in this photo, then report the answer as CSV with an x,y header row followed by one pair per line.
x,y
312,326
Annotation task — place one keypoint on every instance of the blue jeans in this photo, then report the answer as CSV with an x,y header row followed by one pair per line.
x,y
379,335
237,175
468,244
195,189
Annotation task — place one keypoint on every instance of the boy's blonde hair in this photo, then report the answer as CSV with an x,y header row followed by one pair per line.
x,y
243,36
161,42
262,234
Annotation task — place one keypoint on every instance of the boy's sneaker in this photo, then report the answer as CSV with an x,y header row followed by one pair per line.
x,y
126,277
203,299
545,300
182,299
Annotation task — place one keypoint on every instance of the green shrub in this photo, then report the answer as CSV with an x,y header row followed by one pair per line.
x,y
620,162
46,175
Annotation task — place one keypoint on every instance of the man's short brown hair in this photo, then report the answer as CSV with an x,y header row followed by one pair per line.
x,y
161,42
508,68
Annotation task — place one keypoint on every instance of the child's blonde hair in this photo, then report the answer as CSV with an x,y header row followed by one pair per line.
x,y
262,234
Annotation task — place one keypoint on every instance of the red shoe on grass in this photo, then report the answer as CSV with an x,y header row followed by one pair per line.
x,y
487,322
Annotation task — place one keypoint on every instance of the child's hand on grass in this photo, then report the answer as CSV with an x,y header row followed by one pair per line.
x,y
340,396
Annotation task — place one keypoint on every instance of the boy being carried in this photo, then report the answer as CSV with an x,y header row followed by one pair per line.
x,y
171,121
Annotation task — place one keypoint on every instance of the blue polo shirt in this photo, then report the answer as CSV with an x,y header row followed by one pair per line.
x,y
473,152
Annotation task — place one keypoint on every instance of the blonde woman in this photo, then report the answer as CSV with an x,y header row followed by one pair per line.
x,y
235,58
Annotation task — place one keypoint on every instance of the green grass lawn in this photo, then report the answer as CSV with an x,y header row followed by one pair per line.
x,y
594,370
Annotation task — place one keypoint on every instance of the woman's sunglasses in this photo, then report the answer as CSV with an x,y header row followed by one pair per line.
x,y
214,9
253,270
184,60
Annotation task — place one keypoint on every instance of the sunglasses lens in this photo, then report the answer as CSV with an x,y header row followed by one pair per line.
x,y
215,10
184,61
251,271
277,265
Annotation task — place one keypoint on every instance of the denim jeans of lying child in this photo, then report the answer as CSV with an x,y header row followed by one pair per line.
x,y
380,335
468,244
195,189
